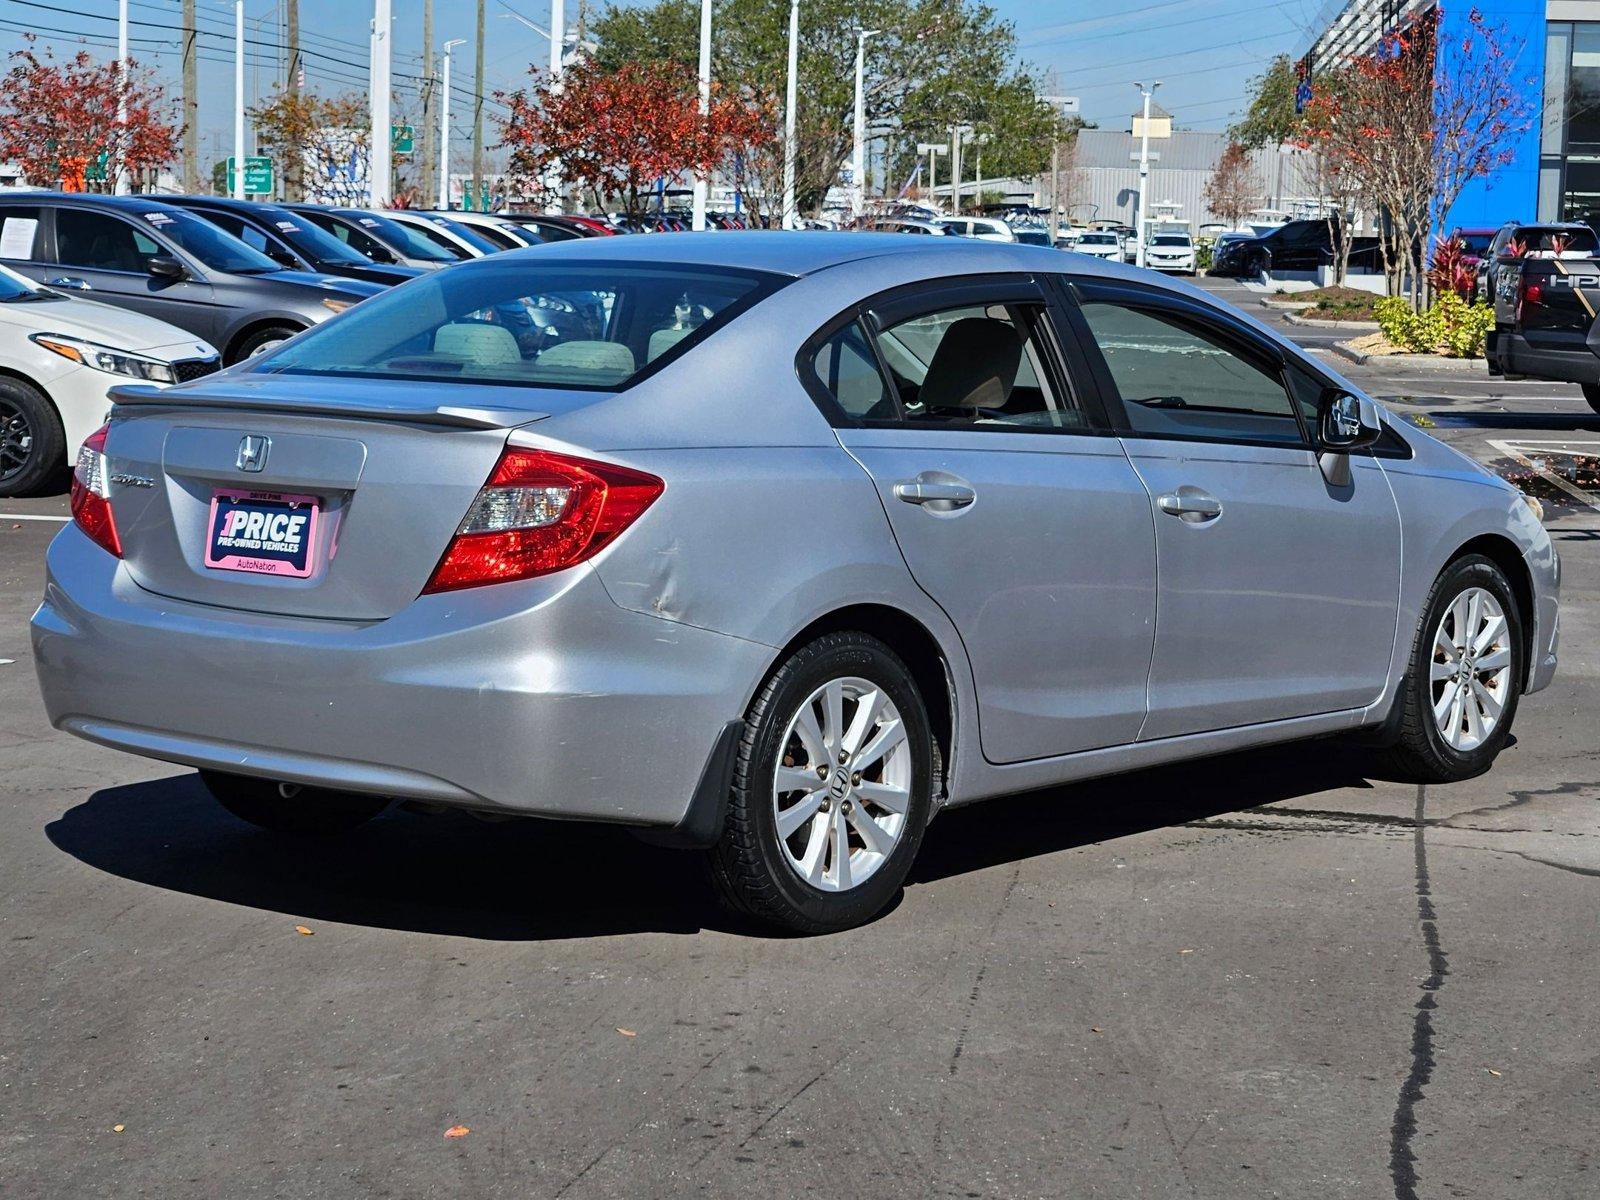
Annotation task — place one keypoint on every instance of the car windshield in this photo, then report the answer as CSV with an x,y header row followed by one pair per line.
x,y
466,233
218,250
1170,239
407,241
591,327
1097,239
312,241
16,288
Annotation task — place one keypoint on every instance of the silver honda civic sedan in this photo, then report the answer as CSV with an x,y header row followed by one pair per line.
x,y
775,545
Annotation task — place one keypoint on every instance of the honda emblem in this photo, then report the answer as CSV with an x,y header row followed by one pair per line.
x,y
253,450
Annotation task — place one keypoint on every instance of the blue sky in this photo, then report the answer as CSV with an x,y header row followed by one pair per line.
x,y
1204,51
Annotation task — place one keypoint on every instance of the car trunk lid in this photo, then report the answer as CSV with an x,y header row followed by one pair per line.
x,y
370,487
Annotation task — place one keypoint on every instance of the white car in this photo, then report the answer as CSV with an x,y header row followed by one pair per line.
x,y
507,235
985,229
1170,252
58,355
1099,243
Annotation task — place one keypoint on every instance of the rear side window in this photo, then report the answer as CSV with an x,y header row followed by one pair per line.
x,y
19,226
592,327
1178,377
846,367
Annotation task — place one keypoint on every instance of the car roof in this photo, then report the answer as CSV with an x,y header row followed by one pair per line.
x,y
93,200
801,253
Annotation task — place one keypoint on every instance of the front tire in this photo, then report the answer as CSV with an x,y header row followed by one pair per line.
x,y
33,445
832,789
289,807
1460,695
1591,393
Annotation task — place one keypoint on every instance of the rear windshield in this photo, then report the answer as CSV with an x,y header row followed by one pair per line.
x,y
593,326
1543,241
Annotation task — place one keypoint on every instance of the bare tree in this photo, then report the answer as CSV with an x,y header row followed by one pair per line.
x,y
1233,189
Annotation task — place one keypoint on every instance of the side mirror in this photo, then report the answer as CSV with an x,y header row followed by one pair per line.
x,y
164,267
1347,422
284,259
381,254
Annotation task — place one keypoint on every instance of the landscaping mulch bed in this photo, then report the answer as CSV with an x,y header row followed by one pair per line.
x,y
1339,304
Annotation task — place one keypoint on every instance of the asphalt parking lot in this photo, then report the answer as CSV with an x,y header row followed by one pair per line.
x,y
1266,975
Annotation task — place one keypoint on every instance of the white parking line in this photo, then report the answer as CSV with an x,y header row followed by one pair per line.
x,y
1519,451
32,517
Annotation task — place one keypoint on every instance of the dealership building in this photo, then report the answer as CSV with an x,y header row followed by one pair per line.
x,y
1554,170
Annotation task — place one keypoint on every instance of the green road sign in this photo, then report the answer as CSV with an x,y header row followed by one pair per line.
x,y
258,179
403,139
95,172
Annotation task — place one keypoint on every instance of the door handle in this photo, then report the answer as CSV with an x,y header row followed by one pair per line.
x,y
70,281
1191,507
923,491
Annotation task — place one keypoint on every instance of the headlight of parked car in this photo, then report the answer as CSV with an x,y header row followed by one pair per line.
x,y
105,358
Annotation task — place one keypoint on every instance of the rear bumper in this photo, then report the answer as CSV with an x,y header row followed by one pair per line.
x,y
1510,354
540,697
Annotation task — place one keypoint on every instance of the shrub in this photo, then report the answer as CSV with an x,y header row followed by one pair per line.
x,y
1452,327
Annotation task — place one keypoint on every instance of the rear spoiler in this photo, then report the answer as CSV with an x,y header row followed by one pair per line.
x,y
459,416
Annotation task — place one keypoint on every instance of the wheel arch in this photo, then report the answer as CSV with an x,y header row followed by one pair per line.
x,y
1504,553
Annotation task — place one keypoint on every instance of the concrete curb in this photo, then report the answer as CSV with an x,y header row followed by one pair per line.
x,y
1431,362
1286,305
1320,323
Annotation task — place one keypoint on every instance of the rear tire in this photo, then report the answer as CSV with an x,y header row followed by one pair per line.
x,y
33,445
289,807
851,779
1591,393
1441,740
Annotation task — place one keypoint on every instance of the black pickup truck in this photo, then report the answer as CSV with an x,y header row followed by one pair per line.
x,y
1545,327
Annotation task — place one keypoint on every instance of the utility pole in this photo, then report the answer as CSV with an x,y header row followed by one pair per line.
x,y
123,178
381,173
292,171
702,183
858,157
790,150
932,150
444,125
957,132
238,99
428,159
191,102
477,111
558,38
1144,171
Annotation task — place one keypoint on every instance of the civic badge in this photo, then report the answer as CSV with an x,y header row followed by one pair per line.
x,y
253,450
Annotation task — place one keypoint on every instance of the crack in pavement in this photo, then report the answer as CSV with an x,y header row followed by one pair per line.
x,y
1403,1130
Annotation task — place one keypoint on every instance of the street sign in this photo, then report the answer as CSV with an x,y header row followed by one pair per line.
x,y
258,180
95,172
403,139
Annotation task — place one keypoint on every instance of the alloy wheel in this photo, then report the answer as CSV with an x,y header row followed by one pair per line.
x,y
842,784
1471,669
16,440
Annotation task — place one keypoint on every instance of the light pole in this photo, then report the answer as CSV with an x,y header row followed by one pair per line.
x,y
380,183
1144,170
932,150
123,182
557,35
789,150
980,140
957,132
702,183
444,126
858,158
238,99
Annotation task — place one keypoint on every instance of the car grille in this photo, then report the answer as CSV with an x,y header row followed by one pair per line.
x,y
195,368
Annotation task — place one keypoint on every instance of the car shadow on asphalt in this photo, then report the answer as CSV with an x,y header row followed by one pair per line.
x,y
533,880
1521,422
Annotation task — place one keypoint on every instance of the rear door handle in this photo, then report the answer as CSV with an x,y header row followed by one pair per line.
x,y
922,491
71,281
1190,506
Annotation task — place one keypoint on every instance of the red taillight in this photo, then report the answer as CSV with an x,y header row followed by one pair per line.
x,y
91,493
1532,293
541,512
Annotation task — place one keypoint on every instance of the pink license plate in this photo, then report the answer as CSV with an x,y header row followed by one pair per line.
x,y
264,533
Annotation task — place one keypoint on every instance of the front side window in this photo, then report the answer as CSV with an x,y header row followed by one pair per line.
x,y
592,327
1178,377
102,242
980,365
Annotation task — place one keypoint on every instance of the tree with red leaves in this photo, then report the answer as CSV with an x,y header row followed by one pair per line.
x,y
1415,121
618,131
58,117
